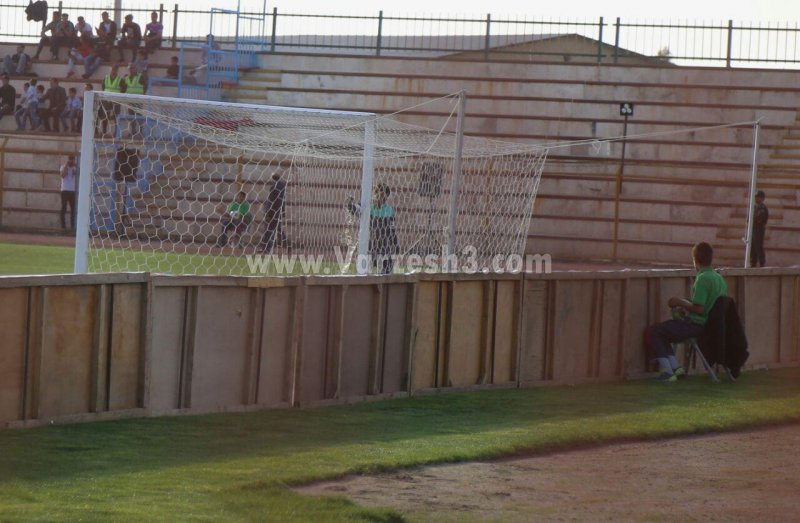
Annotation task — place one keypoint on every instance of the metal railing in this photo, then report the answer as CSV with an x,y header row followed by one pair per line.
x,y
722,44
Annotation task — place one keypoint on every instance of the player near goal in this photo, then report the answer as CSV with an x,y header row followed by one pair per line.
x,y
236,219
383,243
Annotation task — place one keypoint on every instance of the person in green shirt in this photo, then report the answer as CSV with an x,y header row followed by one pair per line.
x,y
689,316
383,242
236,218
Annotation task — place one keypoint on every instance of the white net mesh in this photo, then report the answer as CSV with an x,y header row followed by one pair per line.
x,y
189,187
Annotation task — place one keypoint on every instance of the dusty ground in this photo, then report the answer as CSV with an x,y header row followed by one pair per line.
x,y
745,476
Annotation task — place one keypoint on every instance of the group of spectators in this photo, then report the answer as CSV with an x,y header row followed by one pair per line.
x,y
57,109
51,110
89,46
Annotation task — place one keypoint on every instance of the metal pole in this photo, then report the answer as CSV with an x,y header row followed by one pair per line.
x,y
85,185
600,42
616,42
380,33
455,187
751,205
730,43
487,40
175,27
367,176
274,28
618,190
117,12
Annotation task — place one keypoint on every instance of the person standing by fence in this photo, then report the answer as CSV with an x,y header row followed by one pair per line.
x,y
760,219
69,178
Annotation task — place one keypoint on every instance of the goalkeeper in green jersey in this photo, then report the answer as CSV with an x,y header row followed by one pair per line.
x,y
235,219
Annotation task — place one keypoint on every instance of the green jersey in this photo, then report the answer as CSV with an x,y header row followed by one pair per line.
x,y
240,209
708,286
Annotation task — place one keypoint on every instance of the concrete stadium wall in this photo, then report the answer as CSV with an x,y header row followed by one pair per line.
x,y
99,346
676,190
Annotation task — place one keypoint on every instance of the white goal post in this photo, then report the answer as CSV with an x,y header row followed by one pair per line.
x,y
196,187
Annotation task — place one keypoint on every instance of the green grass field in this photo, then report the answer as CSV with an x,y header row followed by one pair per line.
x,y
46,259
238,467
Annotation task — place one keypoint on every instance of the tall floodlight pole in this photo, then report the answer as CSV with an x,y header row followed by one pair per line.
x,y
748,238
455,187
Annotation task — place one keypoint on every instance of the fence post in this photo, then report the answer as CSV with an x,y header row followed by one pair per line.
x,y
380,32
161,15
175,27
60,6
274,28
487,43
730,43
600,42
616,42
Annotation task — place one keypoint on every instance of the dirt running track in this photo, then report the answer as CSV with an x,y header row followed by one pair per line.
x,y
745,476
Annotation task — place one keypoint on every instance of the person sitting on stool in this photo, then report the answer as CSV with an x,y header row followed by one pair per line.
x,y
692,315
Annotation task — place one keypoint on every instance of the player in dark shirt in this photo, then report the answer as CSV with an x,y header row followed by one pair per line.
x,y
273,217
8,96
760,219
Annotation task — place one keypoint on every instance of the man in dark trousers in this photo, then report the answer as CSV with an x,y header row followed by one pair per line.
x,y
69,180
708,286
274,215
57,98
760,219
8,97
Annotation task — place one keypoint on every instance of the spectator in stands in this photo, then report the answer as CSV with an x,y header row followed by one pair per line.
x,y
63,36
174,68
56,101
141,62
48,40
130,38
83,28
235,219
93,62
72,111
107,31
8,96
112,83
17,63
42,108
153,33
69,179
689,316
29,109
135,82
273,217
208,56
79,54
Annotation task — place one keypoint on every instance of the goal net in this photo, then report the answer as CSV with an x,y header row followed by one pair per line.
x,y
194,187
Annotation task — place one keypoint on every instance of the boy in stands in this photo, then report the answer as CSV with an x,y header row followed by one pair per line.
x,y
72,111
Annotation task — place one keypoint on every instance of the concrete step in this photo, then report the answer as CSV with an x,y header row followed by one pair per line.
x,y
253,82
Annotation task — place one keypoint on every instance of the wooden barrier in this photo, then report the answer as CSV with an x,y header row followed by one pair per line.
x,y
99,346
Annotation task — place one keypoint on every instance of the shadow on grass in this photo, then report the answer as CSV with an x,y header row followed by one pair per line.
x,y
297,445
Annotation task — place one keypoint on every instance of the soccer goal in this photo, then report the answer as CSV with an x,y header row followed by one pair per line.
x,y
196,187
